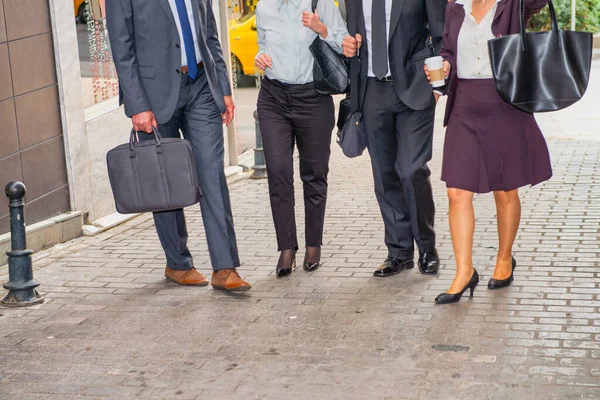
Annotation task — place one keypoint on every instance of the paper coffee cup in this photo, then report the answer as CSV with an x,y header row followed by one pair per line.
x,y
435,65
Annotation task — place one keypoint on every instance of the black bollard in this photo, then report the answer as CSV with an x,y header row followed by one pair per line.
x,y
21,285
259,167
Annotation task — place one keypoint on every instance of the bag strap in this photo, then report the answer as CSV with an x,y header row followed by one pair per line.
x,y
352,13
314,5
523,28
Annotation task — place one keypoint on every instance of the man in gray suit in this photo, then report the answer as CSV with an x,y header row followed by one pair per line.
x,y
172,76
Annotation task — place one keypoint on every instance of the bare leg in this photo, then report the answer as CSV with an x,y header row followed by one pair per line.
x,y
508,210
462,228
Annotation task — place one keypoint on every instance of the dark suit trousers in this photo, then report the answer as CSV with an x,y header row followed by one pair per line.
x,y
400,144
291,114
199,119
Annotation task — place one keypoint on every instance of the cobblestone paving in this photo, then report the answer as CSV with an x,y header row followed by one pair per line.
x,y
113,328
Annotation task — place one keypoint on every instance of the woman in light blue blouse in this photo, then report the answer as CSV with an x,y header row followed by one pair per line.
x,y
290,112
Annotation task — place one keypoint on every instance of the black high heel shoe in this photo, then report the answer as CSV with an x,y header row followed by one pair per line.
x,y
447,298
314,253
287,270
495,284
311,266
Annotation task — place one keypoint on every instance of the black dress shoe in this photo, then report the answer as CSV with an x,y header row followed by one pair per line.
x,y
310,266
494,284
282,271
447,298
429,262
393,266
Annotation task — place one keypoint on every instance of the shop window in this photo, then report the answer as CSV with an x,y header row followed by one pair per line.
x,y
98,75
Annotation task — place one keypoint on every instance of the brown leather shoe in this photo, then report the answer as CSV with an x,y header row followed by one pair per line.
x,y
189,277
230,280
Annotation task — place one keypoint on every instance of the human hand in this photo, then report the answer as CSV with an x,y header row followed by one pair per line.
x,y
351,45
263,62
313,21
229,110
144,121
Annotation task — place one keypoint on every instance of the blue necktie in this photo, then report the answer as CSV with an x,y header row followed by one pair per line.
x,y
188,39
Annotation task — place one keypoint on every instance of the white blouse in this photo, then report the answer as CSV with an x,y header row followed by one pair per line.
x,y
472,54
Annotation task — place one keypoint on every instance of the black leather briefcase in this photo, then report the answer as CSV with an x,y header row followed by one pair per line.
x,y
153,175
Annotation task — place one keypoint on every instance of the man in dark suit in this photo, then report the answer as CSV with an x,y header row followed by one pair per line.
x,y
172,76
398,107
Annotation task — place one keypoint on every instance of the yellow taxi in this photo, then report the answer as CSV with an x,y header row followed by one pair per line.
x,y
243,44
243,41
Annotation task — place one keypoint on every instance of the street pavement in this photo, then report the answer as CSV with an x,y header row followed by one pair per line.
x,y
113,328
245,105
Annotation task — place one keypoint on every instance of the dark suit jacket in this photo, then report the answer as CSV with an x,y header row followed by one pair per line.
x,y
506,22
147,55
416,29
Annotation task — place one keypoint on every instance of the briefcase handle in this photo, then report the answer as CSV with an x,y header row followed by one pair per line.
x,y
133,139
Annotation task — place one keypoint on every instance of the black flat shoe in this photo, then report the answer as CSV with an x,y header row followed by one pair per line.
x,y
310,266
495,284
287,270
429,263
447,298
393,266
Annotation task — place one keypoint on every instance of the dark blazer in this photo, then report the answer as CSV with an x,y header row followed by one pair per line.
x,y
506,22
416,29
147,55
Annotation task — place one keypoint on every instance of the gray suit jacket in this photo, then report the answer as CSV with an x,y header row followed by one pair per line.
x,y
147,55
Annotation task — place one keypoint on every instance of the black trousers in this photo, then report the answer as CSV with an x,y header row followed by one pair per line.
x,y
400,142
288,115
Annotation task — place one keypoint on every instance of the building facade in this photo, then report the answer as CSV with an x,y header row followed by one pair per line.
x,y
31,134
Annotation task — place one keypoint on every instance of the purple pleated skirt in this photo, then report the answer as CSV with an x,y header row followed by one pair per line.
x,y
490,145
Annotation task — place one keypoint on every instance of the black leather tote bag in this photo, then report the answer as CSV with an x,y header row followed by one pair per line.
x,y
541,71
330,70
153,175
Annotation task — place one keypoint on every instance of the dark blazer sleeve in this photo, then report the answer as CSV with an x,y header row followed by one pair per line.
x,y
214,46
436,16
535,4
533,7
447,50
119,21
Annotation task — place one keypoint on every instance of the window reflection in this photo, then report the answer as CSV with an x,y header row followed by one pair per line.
x,y
99,77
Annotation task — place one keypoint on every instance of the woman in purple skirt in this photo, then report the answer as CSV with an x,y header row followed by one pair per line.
x,y
490,146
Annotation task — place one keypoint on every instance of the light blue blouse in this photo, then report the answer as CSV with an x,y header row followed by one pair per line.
x,y
283,37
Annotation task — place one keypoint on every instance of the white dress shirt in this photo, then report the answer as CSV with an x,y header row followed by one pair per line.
x,y
190,11
367,11
473,57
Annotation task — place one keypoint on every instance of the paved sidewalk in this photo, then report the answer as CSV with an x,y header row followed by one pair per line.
x,y
113,328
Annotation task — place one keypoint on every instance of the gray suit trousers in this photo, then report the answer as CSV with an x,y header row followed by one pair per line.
x,y
199,120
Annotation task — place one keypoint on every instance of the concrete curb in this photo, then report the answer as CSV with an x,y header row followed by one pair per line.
x,y
59,229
